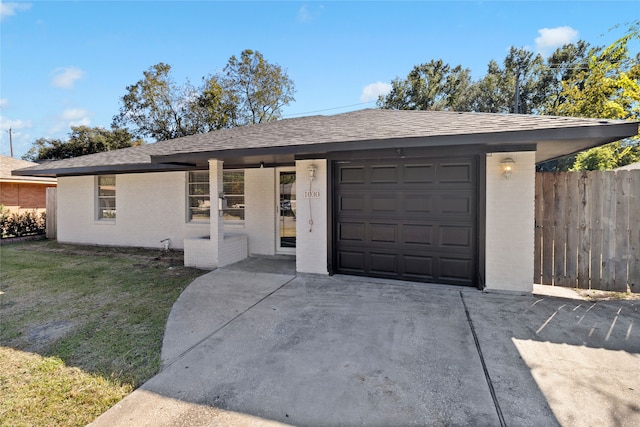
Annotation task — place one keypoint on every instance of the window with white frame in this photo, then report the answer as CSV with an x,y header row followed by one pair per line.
x,y
199,199
106,193
233,188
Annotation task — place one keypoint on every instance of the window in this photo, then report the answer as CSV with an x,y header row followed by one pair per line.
x,y
199,199
107,197
233,188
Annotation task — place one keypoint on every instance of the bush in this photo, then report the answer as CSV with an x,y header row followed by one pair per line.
x,y
24,224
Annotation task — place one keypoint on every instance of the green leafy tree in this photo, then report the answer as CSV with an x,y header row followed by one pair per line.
x,y
609,88
82,140
431,86
257,89
156,107
249,90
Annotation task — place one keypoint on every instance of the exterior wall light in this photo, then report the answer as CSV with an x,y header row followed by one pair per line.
x,y
507,167
312,172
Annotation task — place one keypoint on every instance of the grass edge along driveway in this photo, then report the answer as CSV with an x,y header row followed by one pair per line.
x,y
80,327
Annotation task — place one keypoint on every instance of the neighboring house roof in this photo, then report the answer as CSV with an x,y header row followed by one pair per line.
x,y
629,167
8,164
282,140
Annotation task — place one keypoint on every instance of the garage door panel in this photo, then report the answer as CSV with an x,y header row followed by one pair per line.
x,y
351,203
352,262
456,204
352,175
455,236
383,263
419,173
455,173
383,233
384,203
459,270
384,174
411,219
418,267
418,203
419,234
350,231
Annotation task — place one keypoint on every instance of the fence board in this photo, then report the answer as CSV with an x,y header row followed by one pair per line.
x,y
583,232
621,231
548,224
560,229
596,229
51,221
608,231
634,231
588,229
537,239
571,224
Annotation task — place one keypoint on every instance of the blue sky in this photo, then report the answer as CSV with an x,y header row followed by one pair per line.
x,y
66,63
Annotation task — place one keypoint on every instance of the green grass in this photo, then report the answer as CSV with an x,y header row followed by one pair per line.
x,y
80,327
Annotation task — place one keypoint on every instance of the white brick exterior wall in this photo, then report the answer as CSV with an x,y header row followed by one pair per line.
x,y
150,207
510,223
311,250
260,210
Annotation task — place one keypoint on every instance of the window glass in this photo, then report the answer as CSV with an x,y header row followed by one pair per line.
x,y
199,199
106,197
233,188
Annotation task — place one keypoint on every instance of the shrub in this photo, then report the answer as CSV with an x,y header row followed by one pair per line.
x,y
24,224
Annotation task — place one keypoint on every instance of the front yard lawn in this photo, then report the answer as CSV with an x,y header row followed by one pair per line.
x,y
80,327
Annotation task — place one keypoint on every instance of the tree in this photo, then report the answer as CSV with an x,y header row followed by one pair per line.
x,y
82,140
256,88
159,109
249,90
493,93
431,86
608,87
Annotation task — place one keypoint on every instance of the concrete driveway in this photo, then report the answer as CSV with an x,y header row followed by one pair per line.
x,y
253,344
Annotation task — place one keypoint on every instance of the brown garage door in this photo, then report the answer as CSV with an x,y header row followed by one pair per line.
x,y
410,219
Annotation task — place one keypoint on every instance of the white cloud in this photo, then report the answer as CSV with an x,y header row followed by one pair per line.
x,y
306,14
372,91
70,117
66,77
303,14
11,8
6,123
4,102
552,38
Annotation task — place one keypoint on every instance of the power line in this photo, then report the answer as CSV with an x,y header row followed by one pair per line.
x,y
327,109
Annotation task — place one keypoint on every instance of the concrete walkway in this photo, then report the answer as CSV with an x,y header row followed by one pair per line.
x,y
253,344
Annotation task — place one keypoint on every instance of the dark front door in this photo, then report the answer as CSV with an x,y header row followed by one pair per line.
x,y
410,219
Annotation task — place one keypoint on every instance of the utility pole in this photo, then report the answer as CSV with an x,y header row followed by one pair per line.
x,y
516,102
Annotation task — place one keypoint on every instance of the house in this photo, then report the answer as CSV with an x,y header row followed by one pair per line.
x,y
427,196
19,194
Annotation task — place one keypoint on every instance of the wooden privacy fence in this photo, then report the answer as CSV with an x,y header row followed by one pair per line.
x,y
587,230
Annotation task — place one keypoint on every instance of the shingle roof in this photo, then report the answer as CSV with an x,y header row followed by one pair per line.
x,y
349,130
8,164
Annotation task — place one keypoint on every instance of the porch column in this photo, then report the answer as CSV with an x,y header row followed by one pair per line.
x,y
216,221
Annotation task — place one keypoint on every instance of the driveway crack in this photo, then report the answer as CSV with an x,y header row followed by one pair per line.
x,y
184,353
484,365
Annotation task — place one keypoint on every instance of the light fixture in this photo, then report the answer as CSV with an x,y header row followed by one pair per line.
x,y
261,165
507,166
312,172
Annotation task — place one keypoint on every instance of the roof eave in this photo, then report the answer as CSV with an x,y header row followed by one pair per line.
x,y
104,169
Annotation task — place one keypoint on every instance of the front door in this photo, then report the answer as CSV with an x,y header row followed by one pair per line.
x,y
286,218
